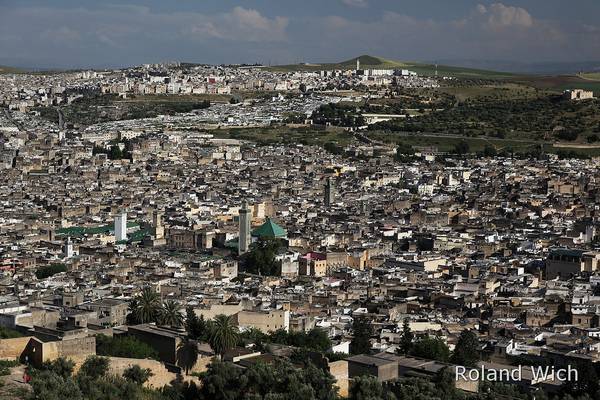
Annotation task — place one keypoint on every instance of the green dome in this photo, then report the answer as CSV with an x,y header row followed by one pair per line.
x,y
269,230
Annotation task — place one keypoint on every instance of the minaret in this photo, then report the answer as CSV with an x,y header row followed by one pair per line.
x,y
121,227
68,248
159,230
244,236
329,194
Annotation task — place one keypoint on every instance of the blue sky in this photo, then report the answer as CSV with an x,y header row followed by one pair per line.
x,y
82,33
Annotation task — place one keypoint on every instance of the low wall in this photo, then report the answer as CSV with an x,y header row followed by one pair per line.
x,y
160,376
11,349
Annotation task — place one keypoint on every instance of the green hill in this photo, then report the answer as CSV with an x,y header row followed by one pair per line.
x,y
592,76
10,70
371,62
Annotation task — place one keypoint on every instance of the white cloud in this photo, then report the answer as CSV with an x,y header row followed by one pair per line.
x,y
356,3
498,16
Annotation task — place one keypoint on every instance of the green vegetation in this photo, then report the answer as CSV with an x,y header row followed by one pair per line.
x,y
281,380
595,76
124,346
362,330
261,257
145,307
310,135
92,382
61,366
345,115
222,334
524,118
6,365
406,339
170,314
316,339
137,375
504,147
466,352
431,348
195,327
49,270
7,333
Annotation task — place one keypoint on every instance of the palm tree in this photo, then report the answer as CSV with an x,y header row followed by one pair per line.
x,y
170,313
145,306
187,354
223,334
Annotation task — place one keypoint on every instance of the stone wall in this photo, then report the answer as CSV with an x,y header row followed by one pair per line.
x,y
339,370
11,349
160,376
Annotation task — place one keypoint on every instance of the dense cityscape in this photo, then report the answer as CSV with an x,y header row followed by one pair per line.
x,y
368,229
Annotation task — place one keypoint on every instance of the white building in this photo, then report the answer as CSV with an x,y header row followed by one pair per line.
x,y
121,227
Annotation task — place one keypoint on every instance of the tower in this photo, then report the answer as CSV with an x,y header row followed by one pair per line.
x,y
244,236
68,248
358,63
329,194
121,227
159,230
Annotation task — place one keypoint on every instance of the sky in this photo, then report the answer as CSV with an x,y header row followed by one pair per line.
x,y
110,33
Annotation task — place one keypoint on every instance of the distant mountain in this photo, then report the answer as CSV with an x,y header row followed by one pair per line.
x,y
373,62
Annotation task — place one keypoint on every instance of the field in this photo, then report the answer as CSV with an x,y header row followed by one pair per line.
x,y
272,135
497,91
559,83
594,76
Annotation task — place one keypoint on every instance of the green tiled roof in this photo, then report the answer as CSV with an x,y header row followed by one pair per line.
x,y
80,231
269,230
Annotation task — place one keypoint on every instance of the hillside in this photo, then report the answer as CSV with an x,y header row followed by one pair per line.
x,y
10,70
371,62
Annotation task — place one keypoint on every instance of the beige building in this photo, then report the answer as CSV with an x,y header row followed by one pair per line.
x,y
578,94
565,263
264,321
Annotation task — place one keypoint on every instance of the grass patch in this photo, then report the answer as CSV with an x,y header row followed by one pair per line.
x,y
284,135
7,333
126,346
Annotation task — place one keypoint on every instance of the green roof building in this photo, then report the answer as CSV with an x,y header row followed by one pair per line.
x,y
269,230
